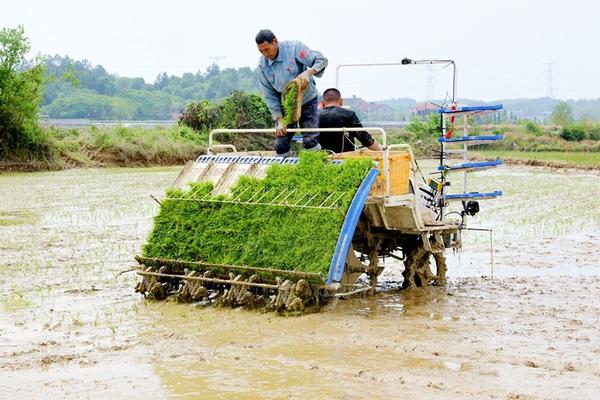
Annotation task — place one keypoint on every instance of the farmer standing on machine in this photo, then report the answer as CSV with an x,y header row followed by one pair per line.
x,y
280,63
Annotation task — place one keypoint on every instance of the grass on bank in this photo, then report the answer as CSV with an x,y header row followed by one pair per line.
x,y
521,142
126,145
576,159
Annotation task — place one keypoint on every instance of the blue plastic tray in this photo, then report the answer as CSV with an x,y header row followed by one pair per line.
x,y
472,166
473,196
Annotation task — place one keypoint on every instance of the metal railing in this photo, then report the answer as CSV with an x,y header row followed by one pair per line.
x,y
211,145
379,132
403,62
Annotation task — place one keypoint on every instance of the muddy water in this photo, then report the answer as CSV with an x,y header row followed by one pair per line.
x,y
71,326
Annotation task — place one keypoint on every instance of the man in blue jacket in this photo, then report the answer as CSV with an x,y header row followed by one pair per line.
x,y
279,64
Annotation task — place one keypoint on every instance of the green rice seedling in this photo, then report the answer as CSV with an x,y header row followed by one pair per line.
x,y
290,103
259,235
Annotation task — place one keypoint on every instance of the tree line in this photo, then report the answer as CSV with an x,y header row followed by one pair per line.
x,y
78,89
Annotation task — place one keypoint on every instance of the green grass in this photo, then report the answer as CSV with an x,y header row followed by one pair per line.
x,y
579,159
280,237
126,145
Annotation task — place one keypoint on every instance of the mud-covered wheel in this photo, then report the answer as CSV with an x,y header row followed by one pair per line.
x,y
355,268
417,266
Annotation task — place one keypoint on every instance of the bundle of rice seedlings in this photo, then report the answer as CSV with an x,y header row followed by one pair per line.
x,y
292,100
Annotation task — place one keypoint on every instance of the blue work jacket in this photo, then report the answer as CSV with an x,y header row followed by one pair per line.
x,y
294,57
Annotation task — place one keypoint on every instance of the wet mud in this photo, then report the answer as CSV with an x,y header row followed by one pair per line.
x,y
71,325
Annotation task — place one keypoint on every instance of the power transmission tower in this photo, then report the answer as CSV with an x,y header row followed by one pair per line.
x,y
429,89
217,59
549,87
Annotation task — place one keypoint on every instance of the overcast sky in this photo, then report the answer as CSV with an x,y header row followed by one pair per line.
x,y
501,47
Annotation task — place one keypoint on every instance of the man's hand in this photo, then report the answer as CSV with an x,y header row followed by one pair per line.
x,y
306,74
280,128
375,146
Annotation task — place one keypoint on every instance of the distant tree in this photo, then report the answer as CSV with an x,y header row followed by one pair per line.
x,y
161,81
88,104
212,71
245,110
237,111
424,128
562,114
201,116
159,100
21,90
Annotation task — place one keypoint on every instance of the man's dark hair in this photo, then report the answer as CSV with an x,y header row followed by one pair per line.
x,y
264,35
331,94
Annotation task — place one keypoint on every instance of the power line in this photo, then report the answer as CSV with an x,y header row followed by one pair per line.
x,y
217,59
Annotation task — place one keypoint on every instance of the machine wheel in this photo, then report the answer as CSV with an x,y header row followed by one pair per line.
x,y
417,266
355,268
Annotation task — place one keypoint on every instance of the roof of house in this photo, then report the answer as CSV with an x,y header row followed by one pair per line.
x,y
358,104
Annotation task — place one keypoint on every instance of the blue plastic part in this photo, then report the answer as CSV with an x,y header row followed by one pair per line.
x,y
459,139
494,107
473,195
297,138
472,165
338,262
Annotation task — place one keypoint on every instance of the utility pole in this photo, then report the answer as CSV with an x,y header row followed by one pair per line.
x,y
217,59
549,87
429,88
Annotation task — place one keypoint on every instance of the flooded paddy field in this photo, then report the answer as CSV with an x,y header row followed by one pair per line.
x,y
71,325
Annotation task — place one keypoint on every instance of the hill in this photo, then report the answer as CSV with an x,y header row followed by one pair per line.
x,y
78,89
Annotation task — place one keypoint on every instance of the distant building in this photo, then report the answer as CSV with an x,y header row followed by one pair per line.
x,y
423,109
368,108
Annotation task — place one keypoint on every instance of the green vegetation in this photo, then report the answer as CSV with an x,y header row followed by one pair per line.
x,y
237,111
581,131
576,159
562,114
126,146
532,127
202,116
91,92
77,89
547,138
580,139
258,235
424,128
21,87
245,110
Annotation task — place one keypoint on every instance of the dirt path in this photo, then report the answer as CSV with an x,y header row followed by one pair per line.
x,y
71,326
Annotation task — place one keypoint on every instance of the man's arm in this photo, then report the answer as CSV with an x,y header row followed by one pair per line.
x,y
364,137
272,96
313,59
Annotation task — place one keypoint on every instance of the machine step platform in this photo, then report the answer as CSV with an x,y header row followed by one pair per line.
x,y
471,166
472,196
474,110
471,140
